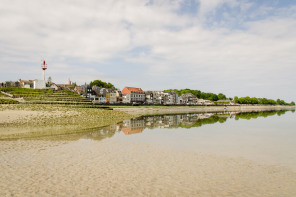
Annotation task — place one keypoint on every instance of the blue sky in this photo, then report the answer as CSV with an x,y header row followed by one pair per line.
x,y
237,47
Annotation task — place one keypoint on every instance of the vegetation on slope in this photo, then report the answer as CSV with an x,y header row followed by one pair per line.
x,y
46,95
8,101
102,84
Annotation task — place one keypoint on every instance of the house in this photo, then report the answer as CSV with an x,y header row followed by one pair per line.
x,y
39,84
87,92
204,102
102,99
126,98
111,97
65,86
118,96
188,99
150,97
26,83
171,98
78,89
137,95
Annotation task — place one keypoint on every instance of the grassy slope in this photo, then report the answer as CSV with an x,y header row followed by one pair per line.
x,y
46,96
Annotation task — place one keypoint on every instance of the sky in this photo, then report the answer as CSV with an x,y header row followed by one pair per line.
x,y
236,47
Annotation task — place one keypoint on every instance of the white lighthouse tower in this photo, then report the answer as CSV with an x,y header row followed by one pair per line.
x,y
40,84
43,67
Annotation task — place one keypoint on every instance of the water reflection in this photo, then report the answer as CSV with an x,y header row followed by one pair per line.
x,y
137,125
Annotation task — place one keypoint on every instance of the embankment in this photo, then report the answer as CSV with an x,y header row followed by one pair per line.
x,y
202,109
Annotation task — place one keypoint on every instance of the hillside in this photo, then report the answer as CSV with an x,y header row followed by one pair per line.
x,y
43,96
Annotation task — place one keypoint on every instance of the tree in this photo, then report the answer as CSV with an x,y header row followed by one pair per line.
x,y
292,103
221,96
236,99
101,84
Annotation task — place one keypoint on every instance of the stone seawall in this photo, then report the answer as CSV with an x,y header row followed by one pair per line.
x,y
193,109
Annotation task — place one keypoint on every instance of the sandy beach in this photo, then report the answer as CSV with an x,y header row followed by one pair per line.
x,y
108,168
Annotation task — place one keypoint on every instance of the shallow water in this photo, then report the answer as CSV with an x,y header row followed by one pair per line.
x,y
270,139
249,154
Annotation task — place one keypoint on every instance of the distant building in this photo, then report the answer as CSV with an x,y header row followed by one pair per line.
x,y
204,102
137,95
119,96
26,83
79,90
39,84
111,97
188,99
126,98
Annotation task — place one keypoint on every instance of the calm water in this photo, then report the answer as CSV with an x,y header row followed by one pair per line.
x,y
267,137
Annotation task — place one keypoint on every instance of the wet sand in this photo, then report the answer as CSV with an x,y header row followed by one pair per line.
x,y
112,168
25,121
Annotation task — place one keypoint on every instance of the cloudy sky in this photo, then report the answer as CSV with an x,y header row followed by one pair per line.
x,y
237,47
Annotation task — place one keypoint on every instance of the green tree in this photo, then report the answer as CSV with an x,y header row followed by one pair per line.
x,y
236,99
101,84
221,96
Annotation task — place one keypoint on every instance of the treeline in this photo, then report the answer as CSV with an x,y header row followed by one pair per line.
x,y
250,115
200,122
262,101
199,94
102,84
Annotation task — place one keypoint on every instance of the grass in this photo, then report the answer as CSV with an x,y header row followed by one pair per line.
x,y
8,101
46,95
3,95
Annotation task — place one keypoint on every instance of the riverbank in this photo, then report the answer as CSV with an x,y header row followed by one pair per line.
x,y
199,109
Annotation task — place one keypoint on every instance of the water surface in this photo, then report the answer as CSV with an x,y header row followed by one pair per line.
x,y
268,137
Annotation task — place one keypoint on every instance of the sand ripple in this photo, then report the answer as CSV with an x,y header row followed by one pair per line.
x,y
110,168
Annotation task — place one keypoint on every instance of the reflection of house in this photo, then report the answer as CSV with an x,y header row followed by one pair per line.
x,y
133,126
129,131
137,95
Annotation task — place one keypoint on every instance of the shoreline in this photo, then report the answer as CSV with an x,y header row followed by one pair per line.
x,y
200,109
31,121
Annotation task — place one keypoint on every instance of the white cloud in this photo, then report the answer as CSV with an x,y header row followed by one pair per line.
x,y
169,50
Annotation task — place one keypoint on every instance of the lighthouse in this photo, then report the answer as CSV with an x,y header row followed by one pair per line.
x,y
43,67
40,84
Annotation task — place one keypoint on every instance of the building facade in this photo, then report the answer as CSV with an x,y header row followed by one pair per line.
x,y
137,95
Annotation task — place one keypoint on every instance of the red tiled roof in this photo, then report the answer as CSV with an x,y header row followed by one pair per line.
x,y
131,89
